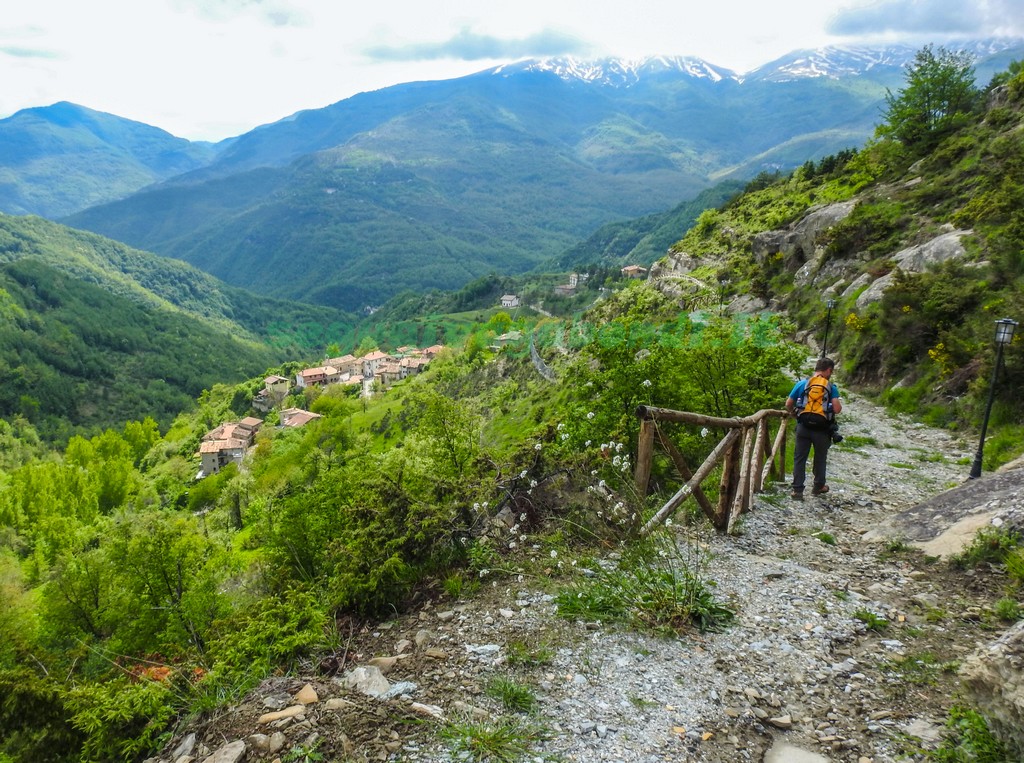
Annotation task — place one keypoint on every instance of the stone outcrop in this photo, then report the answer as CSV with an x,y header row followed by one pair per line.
x,y
994,676
917,259
799,243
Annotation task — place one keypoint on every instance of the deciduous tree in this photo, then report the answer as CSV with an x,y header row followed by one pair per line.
x,y
938,96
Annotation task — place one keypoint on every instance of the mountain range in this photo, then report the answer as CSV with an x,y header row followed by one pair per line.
x,y
431,184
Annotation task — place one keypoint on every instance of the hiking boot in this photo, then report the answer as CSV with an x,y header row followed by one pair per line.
x,y
816,490
797,495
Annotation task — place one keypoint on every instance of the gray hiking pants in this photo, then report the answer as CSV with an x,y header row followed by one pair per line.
x,y
806,438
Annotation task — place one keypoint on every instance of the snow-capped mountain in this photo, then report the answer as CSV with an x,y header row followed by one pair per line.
x,y
832,62
839,61
620,72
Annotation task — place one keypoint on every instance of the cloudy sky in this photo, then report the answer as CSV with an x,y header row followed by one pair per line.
x,y
210,69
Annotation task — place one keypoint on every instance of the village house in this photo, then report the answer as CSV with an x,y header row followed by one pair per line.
x,y
431,352
317,377
296,417
346,364
275,390
372,360
412,365
568,289
227,444
388,373
510,300
214,455
634,271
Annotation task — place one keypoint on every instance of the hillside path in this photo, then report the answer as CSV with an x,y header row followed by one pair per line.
x,y
799,678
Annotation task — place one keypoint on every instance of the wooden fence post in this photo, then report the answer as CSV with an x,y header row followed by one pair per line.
x,y
742,501
727,487
644,456
684,470
687,490
760,456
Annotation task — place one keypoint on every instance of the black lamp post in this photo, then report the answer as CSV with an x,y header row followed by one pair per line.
x,y
828,322
1004,335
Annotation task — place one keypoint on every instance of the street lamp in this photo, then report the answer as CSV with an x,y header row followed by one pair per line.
x,y
828,321
1004,335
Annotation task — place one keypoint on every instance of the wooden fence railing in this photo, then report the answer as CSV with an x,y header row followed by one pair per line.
x,y
743,451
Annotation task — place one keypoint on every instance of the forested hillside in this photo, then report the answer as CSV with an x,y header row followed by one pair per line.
x,y
59,159
96,334
75,357
430,185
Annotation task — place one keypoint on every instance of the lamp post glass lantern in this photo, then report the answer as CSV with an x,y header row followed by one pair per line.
x,y
1004,335
828,322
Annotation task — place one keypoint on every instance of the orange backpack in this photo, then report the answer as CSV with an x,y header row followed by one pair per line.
x,y
815,409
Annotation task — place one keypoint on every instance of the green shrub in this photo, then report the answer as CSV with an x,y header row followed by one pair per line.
x,y
653,588
969,740
991,545
121,720
276,631
871,620
513,695
494,741
34,723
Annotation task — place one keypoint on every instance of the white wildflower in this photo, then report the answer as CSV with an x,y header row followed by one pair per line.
x,y
565,436
668,523
647,382
522,517
590,415
538,446
619,446
533,483
476,507
522,474
554,554
483,573
704,432
561,427
587,443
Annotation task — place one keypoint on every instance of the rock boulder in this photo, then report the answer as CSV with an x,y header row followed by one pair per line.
x,y
994,676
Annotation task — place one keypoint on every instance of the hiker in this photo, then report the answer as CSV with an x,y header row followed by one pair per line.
x,y
815,401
